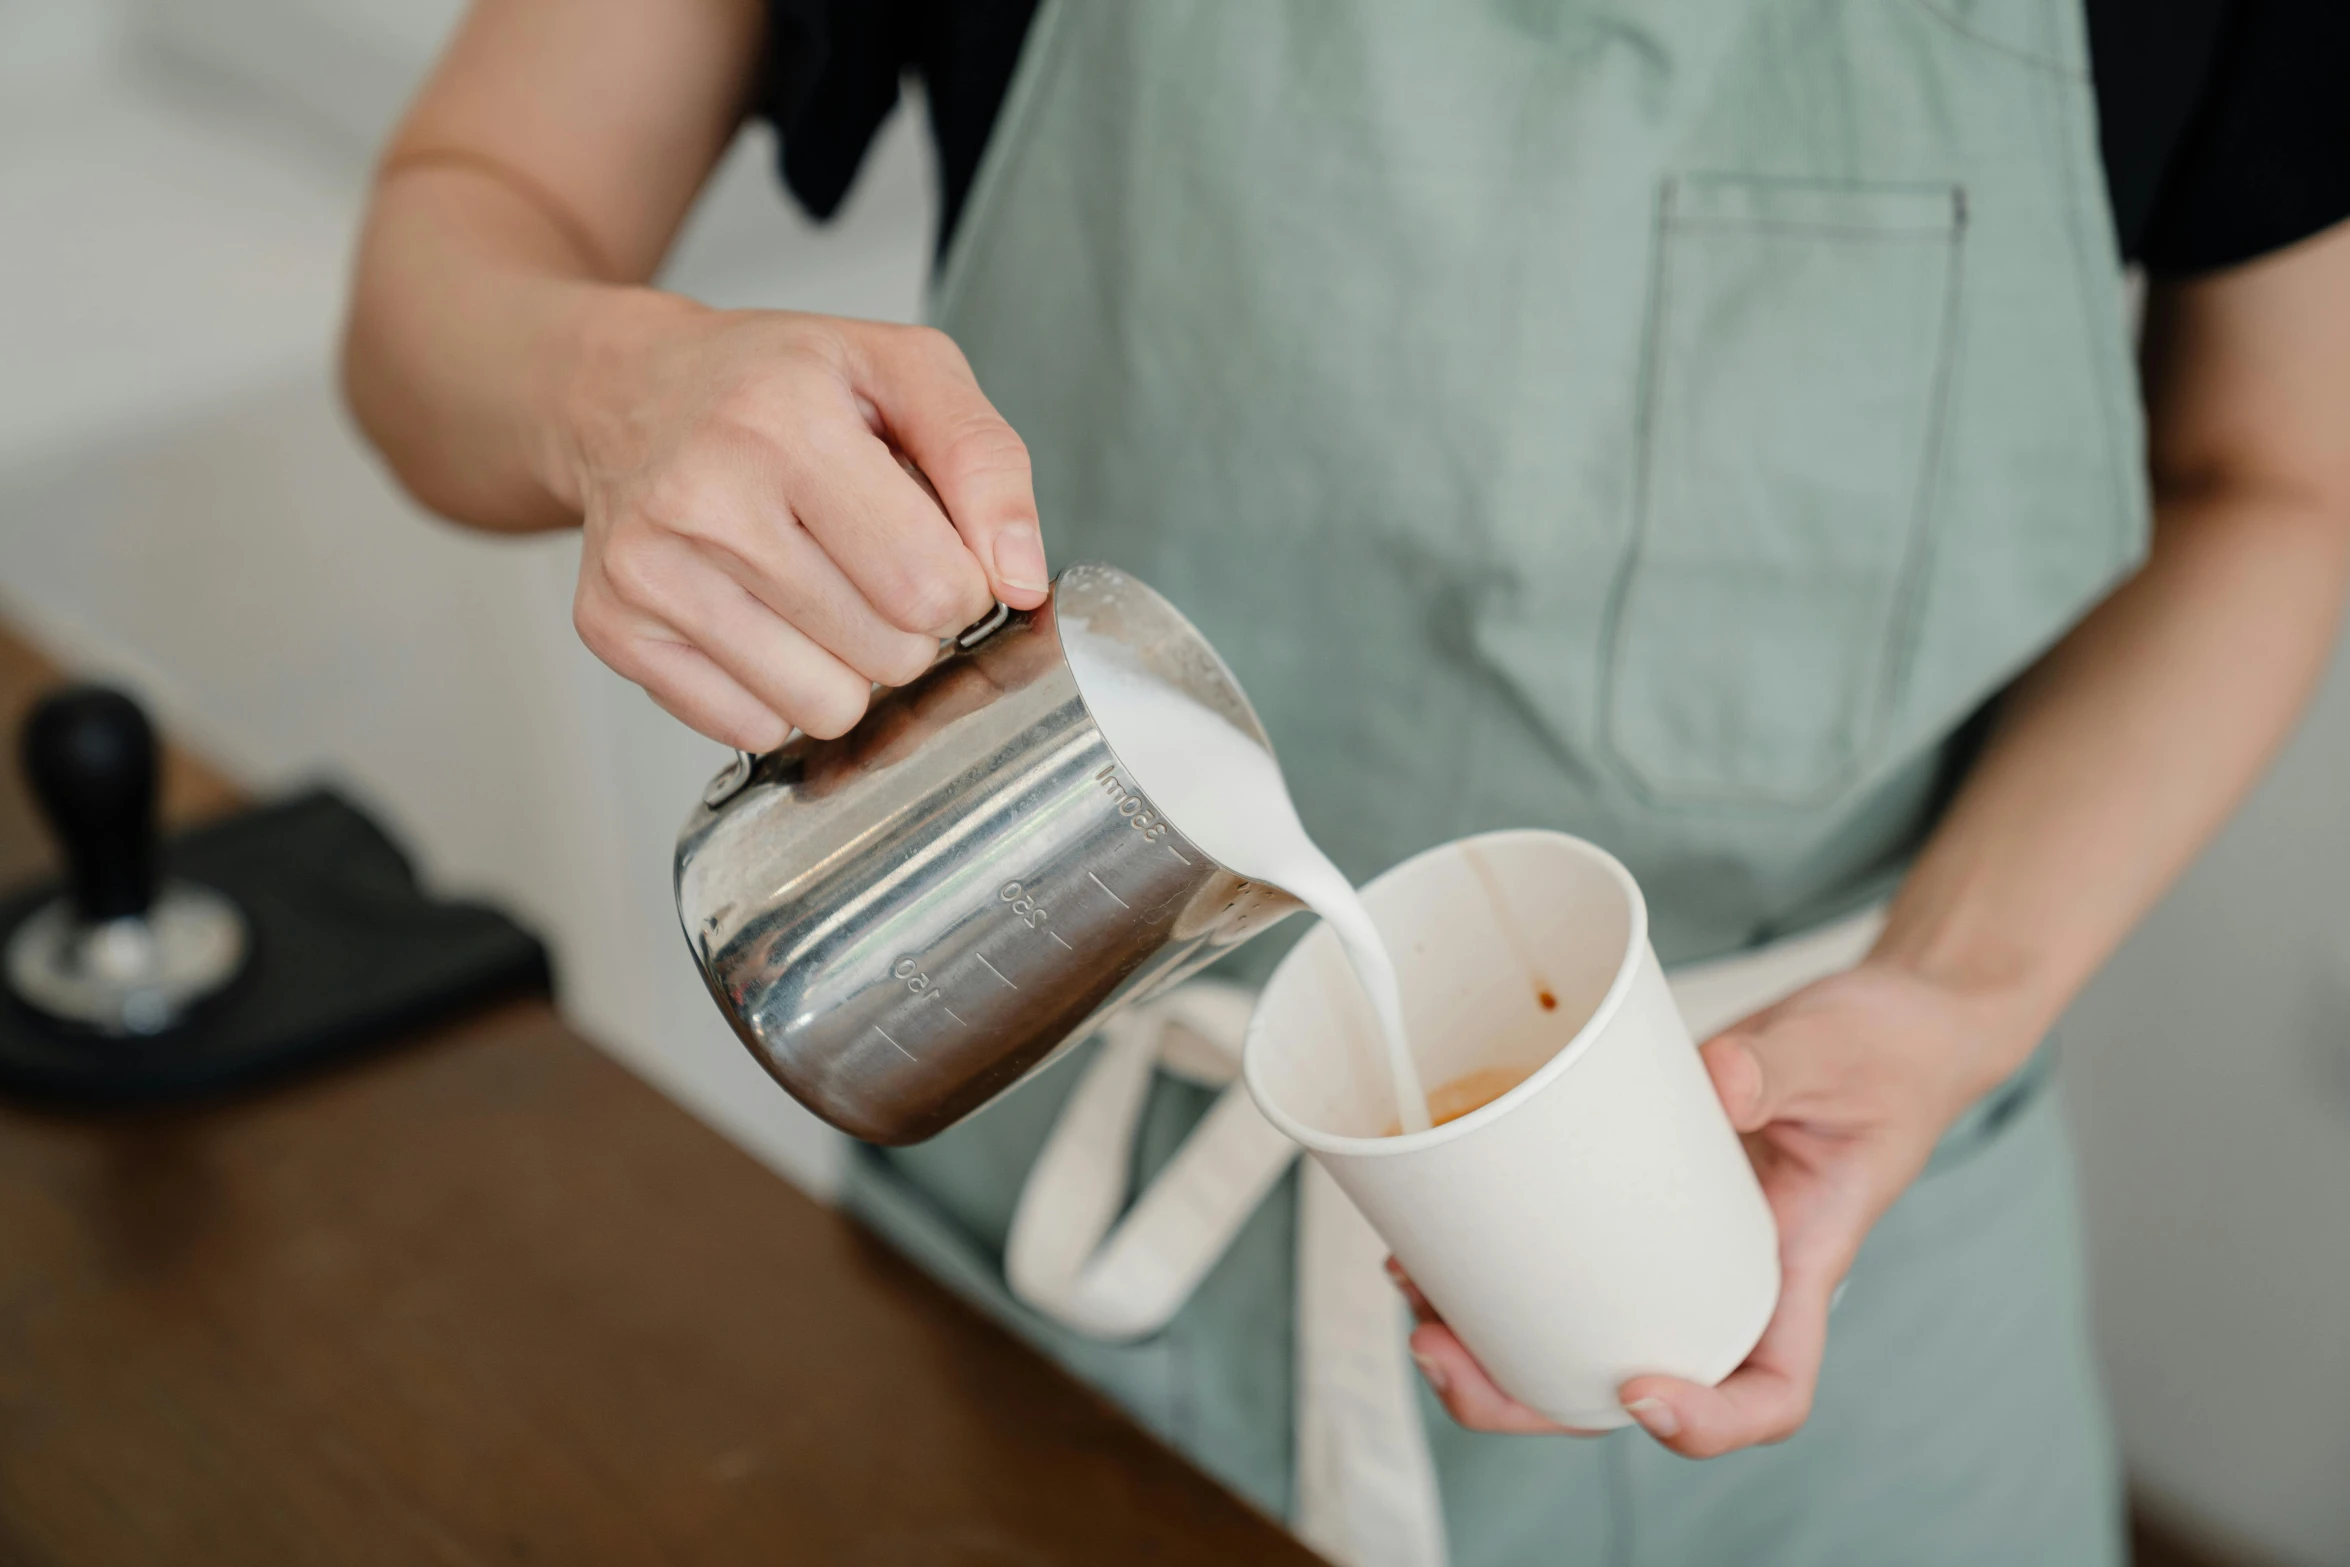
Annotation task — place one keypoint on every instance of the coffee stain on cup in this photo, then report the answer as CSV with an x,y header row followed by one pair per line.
x,y
1512,932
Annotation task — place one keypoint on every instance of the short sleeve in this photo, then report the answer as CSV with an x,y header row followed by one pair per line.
x,y
2265,160
828,79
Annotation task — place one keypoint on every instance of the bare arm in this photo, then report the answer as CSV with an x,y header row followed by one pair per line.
x,y
2121,753
547,165
2115,760
756,553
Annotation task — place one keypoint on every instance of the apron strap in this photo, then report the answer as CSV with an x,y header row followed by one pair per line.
x,y
1365,1492
1714,995
1129,1285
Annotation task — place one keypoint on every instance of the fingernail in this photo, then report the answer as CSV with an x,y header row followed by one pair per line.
x,y
1019,557
1754,1077
1656,1416
1430,1369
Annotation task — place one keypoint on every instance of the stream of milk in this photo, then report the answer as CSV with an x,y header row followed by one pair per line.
x,y
1225,793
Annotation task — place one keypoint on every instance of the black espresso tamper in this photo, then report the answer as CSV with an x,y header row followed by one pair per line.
x,y
117,954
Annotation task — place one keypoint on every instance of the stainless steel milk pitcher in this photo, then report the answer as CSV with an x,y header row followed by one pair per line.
x,y
904,922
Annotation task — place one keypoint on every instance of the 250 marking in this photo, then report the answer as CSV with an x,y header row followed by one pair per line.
x,y
1025,908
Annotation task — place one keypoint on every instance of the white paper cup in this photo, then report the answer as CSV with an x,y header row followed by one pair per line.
x,y
1596,1222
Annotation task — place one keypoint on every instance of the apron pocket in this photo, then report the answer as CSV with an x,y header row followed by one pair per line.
x,y
1798,349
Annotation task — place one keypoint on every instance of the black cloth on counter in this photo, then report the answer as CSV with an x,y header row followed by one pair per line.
x,y
2225,123
347,951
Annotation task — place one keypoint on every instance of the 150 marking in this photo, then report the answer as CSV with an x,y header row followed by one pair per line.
x,y
909,972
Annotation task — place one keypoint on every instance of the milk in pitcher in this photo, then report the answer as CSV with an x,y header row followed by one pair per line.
x,y
1225,793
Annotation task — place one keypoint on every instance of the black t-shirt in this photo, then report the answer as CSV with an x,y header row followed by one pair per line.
x,y
2225,123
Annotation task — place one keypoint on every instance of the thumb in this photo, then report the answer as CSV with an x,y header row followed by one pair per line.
x,y
1764,1071
975,463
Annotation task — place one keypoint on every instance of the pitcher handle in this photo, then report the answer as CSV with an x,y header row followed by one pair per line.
x,y
735,774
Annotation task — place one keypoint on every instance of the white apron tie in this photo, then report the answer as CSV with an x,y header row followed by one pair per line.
x,y
1365,1491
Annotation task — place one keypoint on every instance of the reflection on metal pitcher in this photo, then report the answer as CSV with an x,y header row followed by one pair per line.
x,y
904,922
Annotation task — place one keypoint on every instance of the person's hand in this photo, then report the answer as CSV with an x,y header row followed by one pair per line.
x,y
1841,1091
757,553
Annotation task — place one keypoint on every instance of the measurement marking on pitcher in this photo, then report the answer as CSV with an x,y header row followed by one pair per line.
x,y
1105,886
992,969
893,1044
1056,935
957,1016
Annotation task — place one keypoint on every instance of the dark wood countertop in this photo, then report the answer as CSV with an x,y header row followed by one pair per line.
x,y
487,1297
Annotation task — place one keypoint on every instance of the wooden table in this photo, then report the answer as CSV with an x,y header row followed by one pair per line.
x,y
488,1298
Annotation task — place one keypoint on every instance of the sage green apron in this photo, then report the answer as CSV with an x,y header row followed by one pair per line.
x,y
1666,422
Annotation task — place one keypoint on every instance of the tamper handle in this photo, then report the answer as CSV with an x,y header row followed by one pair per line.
x,y
89,754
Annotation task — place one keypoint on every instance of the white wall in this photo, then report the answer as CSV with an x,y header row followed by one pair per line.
x,y
2210,1067
181,501
41,39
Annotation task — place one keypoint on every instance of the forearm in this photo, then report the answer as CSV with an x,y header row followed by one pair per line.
x,y
529,194
2118,756
470,312
754,551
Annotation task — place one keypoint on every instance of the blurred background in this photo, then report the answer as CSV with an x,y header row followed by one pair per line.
x,y
184,507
